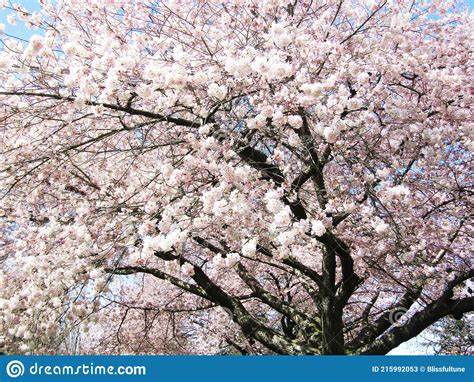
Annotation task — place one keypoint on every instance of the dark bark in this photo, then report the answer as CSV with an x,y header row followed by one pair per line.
x,y
419,322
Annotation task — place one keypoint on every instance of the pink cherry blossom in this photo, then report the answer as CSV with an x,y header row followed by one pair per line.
x,y
259,177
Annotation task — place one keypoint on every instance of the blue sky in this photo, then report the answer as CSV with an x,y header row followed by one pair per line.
x,y
19,30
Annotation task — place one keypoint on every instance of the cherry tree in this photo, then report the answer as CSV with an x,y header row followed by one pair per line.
x,y
242,176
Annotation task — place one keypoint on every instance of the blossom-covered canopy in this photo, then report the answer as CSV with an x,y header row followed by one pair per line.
x,y
241,176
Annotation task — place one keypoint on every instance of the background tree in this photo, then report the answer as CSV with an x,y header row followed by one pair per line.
x,y
451,336
242,176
